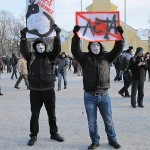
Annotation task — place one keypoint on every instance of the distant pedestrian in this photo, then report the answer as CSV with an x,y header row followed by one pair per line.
x,y
14,62
23,72
137,65
62,64
147,59
124,67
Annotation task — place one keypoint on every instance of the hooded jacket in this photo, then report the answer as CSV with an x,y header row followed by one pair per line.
x,y
96,68
40,73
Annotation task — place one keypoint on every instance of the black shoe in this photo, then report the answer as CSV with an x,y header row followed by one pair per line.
x,y
121,94
65,87
93,146
32,141
1,94
133,106
128,96
16,87
141,106
57,137
59,89
115,144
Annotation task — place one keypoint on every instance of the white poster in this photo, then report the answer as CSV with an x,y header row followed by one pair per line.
x,y
98,26
40,18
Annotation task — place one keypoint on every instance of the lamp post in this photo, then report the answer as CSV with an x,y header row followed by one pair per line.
x,y
125,24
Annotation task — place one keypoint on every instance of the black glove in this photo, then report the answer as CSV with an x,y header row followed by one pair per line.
x,y
76,29
23,33
120,30
57,29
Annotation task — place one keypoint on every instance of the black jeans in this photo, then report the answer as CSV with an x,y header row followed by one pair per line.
x,y
127,82
37,99
137,85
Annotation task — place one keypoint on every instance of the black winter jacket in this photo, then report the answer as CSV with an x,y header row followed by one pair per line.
x,y
96,69
40,73
138,72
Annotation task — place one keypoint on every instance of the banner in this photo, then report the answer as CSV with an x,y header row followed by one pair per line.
x,y
40,17
98,26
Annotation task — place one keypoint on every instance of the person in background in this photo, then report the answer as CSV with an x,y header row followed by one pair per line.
x,y
14,62
124,63
96,80
137,65
147,59
62,64
23,72
41,77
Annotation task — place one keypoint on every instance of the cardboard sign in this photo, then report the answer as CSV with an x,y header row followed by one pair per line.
x,y
40,18
98,26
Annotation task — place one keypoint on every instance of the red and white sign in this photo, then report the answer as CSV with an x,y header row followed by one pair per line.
x,y
40,17
98,26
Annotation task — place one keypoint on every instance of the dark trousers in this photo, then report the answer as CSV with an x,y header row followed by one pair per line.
x,y
37,99
22,76
127,82
137,85
14,72
118,75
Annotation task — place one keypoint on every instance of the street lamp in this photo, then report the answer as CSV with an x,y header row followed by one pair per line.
x,y
125,24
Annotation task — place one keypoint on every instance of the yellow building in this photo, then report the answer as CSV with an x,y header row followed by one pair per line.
x,y
131,33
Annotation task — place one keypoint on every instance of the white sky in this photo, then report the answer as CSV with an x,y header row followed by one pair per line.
x,y
137,11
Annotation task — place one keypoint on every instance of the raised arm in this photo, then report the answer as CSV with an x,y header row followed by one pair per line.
x,y
75,45
118,47
56,45
24,50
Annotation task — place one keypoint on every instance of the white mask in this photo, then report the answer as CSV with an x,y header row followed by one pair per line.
x,y
95,47
40,47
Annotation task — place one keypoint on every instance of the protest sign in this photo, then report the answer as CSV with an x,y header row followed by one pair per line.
x,y
40,18
98,26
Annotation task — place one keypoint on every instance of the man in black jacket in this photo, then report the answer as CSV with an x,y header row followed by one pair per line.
x,y
96,80
137,65
41,82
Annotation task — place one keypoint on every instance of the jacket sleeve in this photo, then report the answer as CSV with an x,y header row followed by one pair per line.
x,y
24,50
66,64
116,51
56,49
76,50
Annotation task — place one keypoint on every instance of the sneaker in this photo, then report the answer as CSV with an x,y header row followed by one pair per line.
x,y
57,137
141,106
32,140
121,94
115,144
93,146
16,87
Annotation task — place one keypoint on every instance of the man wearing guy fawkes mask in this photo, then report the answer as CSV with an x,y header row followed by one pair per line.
x,y
137,65
41,82
96,81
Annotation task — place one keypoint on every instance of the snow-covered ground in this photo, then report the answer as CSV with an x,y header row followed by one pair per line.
x,y
132,125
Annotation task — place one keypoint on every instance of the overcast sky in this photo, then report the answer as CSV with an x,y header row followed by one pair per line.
x,y
137,11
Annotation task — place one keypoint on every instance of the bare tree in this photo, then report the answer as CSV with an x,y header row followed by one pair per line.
x,y
9,32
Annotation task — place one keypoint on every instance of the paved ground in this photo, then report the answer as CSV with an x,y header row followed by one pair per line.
x,y
132,125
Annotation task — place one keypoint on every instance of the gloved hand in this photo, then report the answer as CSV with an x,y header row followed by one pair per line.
x,y
57,29
76,29
23,32
120,30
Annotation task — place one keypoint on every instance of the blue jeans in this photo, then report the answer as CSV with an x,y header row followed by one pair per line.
x,y
103,103
61,75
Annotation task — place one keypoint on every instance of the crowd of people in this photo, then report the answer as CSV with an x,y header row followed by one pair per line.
x,y
41,68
